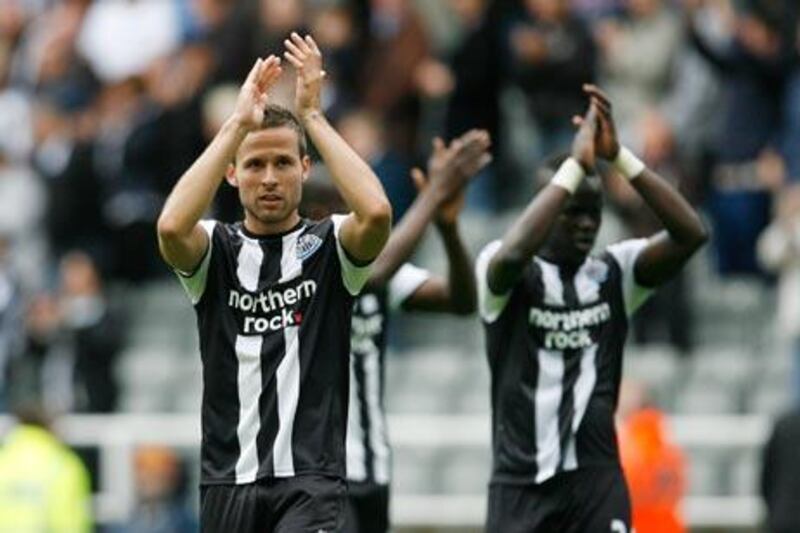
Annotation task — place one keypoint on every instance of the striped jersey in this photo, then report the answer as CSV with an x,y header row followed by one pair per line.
x,y
554,346
273,314
368,452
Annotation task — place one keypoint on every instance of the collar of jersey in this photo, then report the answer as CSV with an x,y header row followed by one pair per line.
x,y
588,258
272,236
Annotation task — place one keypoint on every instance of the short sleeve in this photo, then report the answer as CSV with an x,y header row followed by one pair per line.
x,y
490,305
404,283
354,276
625,254
194,283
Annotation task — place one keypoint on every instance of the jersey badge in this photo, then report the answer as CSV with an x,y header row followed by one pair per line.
x,y
597,271
307,245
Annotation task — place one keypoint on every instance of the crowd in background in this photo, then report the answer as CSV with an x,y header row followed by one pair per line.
x,y
103,104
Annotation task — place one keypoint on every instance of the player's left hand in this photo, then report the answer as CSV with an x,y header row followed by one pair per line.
x,y
306,57
606,141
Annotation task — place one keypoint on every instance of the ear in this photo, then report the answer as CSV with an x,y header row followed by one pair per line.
x,y
306,162
230,176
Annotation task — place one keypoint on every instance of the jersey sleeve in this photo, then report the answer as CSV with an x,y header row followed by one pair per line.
x,y
353,276
404,283
625,254
490,305
194,283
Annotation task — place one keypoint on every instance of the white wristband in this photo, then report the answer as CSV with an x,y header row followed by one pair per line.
x,y
628,164
569,175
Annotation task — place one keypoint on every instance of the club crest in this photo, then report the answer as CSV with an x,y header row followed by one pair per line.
x,y
597,271
307,245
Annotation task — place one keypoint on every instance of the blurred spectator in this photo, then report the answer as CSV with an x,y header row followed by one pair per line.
x,y
94,332
638,56
779,253
477,70
160,496
552,55
754,64
396,47
120,39
11,321
22,209
45,486
366,133
654,466
45,368
16,126
255,28
335,31
72,343
780,475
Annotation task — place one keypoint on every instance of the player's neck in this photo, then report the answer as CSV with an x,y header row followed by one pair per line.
x,y
260,228
561,260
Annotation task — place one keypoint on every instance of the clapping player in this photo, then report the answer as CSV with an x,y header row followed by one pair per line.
x,y
394,285
556,318
273,296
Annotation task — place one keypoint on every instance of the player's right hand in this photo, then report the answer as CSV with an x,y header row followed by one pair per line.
x,y
249,110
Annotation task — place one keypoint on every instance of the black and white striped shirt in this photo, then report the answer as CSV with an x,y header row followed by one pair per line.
x,y
273,315
555,345
368,451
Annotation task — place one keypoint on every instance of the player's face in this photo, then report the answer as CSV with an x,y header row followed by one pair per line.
x,y
576,228
269,174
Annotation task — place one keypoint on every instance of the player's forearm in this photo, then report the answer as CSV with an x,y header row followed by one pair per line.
x,y
461,279
352,176
195,190
525,237
404,238
681,221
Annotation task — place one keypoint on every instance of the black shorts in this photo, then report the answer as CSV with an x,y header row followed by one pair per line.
x,y
367,508
589,500
299,504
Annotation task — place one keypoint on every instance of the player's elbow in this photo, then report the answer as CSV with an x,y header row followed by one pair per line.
x,y
168,228
699,236
379,215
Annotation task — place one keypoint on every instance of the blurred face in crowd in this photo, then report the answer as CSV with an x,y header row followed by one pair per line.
x,y
12,19
468,10
575,230
757,37
79,276
281,15
547,10
363,131
156,473
269,172
332,27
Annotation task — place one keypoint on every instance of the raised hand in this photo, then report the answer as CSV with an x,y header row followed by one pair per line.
x,y
448,212
252,99
304,54
606,141
583,146
451,167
